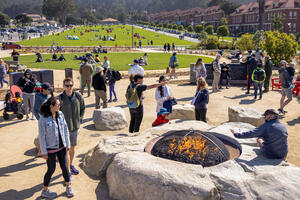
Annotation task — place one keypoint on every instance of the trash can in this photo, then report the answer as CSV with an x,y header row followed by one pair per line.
x,y
69,73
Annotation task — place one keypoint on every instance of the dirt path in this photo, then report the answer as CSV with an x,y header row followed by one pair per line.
x,y
21,173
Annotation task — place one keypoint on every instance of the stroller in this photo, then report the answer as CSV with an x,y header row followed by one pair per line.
x,y
13,103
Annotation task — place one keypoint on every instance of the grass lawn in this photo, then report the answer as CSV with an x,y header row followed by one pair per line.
x,y
119,61
123,37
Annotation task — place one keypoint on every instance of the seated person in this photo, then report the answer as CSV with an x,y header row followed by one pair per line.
x,y
271,136
141,61
225,74
97,59
54,57
162,117
61,58
39,57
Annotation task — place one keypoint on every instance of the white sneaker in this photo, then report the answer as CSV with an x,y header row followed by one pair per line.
x,y
33,117
27,118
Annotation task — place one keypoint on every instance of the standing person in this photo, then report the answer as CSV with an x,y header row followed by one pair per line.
x,y
146,59
163,94
106,63
201,100
27,84
286,82
98,83
134,96
251,66
258,77
165,48
173,47
225,73
216,67
173,63
140,43
151,42
259,56
108,72
3,71
86,71
200,69
168,47
41,97
268,70
73,108
136,69
15,55
54,143
271,136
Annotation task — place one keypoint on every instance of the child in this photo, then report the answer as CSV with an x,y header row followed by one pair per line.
x,y
201,100
162,117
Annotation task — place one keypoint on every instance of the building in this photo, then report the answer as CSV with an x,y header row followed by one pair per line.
x,y
110,21
36,19
246,17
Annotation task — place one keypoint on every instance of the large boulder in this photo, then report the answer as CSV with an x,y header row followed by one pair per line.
x,y
109,119
138,175
247,115
184,112
99,158
2,105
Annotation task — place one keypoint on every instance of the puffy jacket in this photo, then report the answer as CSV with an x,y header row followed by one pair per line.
x,y
48,133
27,86
202,99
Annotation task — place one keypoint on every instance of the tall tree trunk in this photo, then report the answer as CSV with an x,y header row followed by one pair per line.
x,y
261,8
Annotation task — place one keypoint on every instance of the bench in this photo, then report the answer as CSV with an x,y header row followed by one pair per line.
x,y
9,62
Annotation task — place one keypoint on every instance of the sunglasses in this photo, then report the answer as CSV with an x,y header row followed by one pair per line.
x,y
69,85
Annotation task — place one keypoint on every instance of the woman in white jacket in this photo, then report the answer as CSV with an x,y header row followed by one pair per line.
x,y
162,94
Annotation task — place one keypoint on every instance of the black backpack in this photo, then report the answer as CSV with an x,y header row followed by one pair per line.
x,y
259,75
116,75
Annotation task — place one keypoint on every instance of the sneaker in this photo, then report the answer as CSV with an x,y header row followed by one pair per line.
x,y
260,98
48,194
115,100
69,192
74,170
27,118
281,111
247,92
109,101
220,88
33,117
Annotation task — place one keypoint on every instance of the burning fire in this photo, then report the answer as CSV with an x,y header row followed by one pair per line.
x,y
193,147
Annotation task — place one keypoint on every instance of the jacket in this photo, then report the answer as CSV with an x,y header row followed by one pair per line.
x,y
251,66
98,82
159,99
216,66
160,120
285,78
200,71
202,99
27,86
86,71
173,61
110,77
73,110
48,133
268,67
274,135
40,98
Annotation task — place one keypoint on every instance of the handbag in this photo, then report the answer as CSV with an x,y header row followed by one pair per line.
x,y
168,70
174,101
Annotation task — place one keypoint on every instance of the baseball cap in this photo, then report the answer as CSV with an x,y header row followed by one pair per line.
x,y
136,61
47,86
283,62
99,69
270,112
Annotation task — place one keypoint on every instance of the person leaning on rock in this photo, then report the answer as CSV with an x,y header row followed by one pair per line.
x,y
272,136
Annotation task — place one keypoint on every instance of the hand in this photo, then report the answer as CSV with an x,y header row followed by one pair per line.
x,y
45,156
168,98
232,131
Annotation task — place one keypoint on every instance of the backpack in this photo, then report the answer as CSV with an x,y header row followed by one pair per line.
x,y
116,75
258,75
133,100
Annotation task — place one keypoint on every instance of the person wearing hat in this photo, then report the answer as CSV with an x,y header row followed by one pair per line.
x,y
173,63
42,97
136,69
268,70
272,136
225,74
216,67
162,117
98,83
86,71
286,82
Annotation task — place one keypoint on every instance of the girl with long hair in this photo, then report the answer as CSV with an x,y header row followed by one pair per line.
x,y
163,95
201,100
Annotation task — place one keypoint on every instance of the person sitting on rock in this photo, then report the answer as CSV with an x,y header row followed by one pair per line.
x,y
162,117
272,136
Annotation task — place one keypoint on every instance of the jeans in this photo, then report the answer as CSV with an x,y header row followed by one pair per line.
x,y
258,86
51,163
2,80
200,114
136,117
112,91
228,78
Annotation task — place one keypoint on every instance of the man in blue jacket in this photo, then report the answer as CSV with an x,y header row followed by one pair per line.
x,y
272,136
40,98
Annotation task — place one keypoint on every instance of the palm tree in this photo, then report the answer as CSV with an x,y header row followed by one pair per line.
x,y
261,10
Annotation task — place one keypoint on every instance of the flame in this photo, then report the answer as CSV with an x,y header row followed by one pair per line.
x,y
194,147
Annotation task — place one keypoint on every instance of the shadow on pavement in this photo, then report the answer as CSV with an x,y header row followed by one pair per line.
x,y
294,122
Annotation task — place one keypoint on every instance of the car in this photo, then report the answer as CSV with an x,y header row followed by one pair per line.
x,y
11,45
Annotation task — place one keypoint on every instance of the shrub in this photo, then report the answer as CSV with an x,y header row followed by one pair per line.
x,y
199,28
222,31
175,27
245,42
190,28
209,29
181,28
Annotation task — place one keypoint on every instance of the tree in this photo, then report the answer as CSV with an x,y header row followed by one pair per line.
x,y
228,7
199,28
257,38
165,25
209,29
4,19
190,28
181,28
224,21
245,42
222,31
23,19
170,26
261,12
279,46
202,36
175,27
73,20
277,23
88,16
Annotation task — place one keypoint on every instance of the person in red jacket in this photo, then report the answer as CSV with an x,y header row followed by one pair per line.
x,y
162,117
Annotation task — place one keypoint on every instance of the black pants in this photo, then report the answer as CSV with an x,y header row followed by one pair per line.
x,y
51,163
249,82
228,78
267,82
136,117
200,114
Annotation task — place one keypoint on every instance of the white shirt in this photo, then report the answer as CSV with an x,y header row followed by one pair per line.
x,y
160,100
106,64
136,69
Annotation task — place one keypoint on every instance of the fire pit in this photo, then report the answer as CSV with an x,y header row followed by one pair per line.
x,y
191,146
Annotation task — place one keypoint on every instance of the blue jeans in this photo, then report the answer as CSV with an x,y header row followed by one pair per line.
x,y
112,91
258,86
2,80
